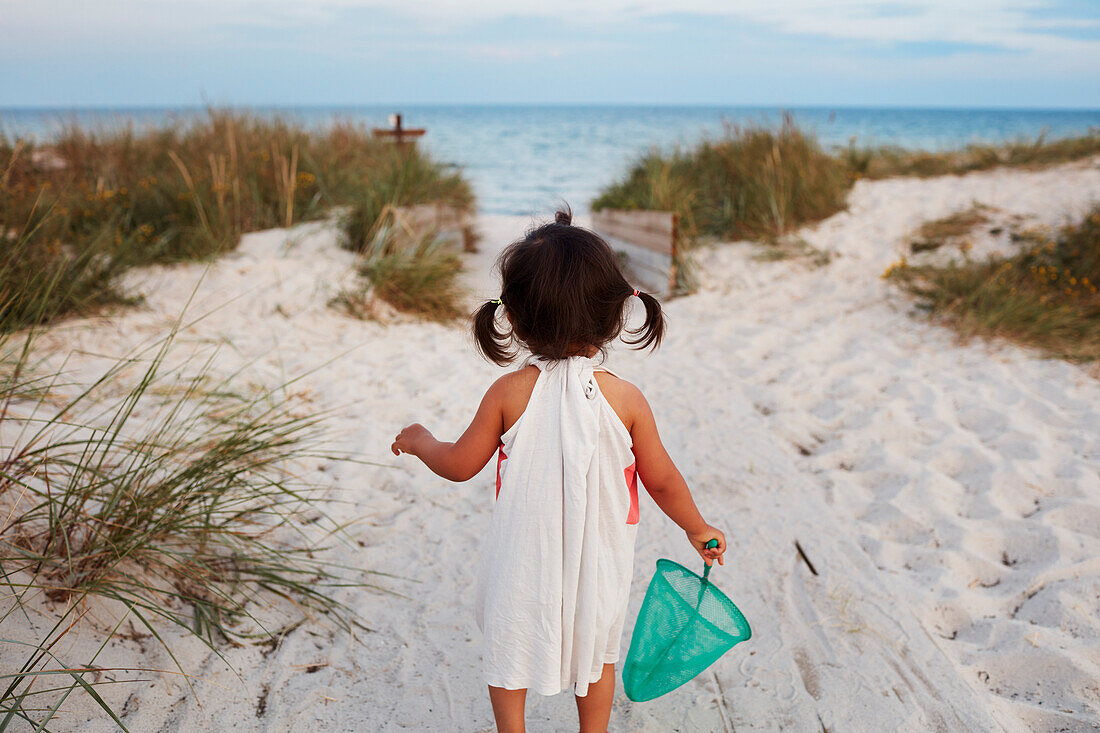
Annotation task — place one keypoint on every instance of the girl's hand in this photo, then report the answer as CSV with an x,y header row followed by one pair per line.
x,y
409,439
700,539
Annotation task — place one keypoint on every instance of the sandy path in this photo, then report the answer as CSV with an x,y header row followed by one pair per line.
x,y
947,494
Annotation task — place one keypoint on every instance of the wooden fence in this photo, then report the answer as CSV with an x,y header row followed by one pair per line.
x,y
648,242
414,223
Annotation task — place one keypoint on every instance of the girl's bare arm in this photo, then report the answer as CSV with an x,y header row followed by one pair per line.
x,y
464,458
665,484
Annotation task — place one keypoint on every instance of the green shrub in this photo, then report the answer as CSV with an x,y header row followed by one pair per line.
x,y
400,178
885,162
91,204
420,278
762,182
756,181
1044,297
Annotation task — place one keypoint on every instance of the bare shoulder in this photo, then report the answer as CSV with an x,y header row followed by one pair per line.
x,y
520,380
513,391
613,385
625,398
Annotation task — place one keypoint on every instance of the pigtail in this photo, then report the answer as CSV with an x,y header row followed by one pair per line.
x,y
491,340
650,333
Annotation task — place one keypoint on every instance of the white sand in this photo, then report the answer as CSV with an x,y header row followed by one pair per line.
x,y
948,494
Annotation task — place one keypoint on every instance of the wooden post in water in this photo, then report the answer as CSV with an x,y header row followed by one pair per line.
x,y
403,137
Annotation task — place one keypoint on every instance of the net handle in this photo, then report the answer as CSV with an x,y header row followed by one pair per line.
x,y
711,544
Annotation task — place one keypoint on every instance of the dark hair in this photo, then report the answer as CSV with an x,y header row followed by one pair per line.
x,y
564,293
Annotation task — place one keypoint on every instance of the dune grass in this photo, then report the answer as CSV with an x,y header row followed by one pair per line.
x,y
155,493
163,493
89,205
419,278
754,182
1045,297
886,162
404,180
41,280
762,182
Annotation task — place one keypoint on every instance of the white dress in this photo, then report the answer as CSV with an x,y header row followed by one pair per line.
x,y
558,559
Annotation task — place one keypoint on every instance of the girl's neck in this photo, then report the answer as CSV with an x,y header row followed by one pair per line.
x,y
586,350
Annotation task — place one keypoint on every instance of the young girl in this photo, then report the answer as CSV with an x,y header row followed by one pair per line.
x,y
571,441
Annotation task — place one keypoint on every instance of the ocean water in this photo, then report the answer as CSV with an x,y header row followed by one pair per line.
x,y
527,159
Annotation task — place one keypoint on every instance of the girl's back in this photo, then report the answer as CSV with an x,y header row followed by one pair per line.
x,y
558,559
520,383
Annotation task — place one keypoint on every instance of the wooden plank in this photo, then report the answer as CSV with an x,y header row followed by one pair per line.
x,y
426,216
656,221
644,268
414,223
626,226
655,230
661,243
660,240
647,240
404,132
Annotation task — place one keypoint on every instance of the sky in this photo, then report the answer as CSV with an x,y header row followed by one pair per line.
x,y
937,53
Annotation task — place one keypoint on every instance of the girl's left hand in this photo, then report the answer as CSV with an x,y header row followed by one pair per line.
x,y
699,540
407,440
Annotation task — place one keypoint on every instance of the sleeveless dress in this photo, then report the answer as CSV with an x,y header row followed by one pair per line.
x,y
557,563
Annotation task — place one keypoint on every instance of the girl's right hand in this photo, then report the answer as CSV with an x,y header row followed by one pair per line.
x,y
700,539
408,440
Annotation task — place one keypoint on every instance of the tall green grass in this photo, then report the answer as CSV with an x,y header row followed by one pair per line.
x,y
1045,297
761,182
40,281
420,278
406,179
753,182
90,204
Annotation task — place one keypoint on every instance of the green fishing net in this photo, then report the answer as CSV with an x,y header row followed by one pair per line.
x,y
684,626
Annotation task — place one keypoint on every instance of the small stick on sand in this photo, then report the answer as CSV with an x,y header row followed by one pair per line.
x,y
802,554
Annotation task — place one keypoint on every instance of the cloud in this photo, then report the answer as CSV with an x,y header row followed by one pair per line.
x,y
722,49
1012,24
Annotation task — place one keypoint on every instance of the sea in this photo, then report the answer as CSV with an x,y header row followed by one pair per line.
x,y
526,160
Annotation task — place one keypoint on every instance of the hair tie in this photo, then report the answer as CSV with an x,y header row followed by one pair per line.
x,y
498,301
635,292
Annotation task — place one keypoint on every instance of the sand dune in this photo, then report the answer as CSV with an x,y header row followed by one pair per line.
x,y
947,494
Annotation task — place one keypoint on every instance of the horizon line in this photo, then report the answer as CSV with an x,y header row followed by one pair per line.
x,y
605,105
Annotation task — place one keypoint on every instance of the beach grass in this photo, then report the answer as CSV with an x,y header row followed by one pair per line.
x,y
402,179
754,182
161,493
40,280
420,277
91,204
887,162
1045,297
155,492
761,182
